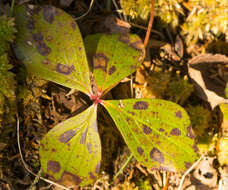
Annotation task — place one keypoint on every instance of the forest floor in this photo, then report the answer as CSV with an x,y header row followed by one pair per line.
x,y
46,105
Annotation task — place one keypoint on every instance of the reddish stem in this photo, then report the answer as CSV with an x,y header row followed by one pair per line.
x,y
150,23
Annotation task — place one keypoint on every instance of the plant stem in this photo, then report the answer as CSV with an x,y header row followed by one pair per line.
x,y
11,8
150,23
108,5
124,166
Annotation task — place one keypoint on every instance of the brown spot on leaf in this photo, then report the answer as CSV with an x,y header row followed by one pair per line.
x,y
178,114
49,38
157,155
49,13
83,137
97,169
175,132
46,62
189,132
140,150
195,148
69,177
38,37
43,49
92,176
111,70
53,166
147,130
64,69
138,45
66,136
100,61
187,165
125,38
73,25
140,105
89,147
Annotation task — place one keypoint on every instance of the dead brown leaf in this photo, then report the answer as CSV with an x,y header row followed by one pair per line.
x,y
210,75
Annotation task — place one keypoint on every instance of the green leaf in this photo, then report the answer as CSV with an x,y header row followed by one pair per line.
x,y
158,132
113,57
49,43
70,153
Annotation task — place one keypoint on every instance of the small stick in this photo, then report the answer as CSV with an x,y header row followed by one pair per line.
x,y
11,8
122,168
150,23
26,166
90,7
166,184
188,171
117,8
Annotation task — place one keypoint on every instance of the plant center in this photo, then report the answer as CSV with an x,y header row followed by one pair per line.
x,y
96,98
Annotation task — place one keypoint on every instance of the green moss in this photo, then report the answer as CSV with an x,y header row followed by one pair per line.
x,y
179,90
207,20
139,10
200,118
7,82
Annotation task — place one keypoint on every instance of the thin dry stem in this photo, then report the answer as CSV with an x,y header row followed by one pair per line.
x,y
149,24
25,164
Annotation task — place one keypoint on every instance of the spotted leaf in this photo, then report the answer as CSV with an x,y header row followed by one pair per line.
x,y
49,43
70,153
158,132
113,57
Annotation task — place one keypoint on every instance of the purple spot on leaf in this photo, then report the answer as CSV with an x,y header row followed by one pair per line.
x,y
178,114
64,69
49,13
195,148
53,150
89,147
66,136
189,132
111,70
187,165
147,130
140,150
83,137
140,105
38,37
43,49
98,167
161,130
53,166
157,155
73,25
92,176
175,132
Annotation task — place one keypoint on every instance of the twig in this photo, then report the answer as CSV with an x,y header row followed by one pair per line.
x,y
90,6
25,164
145,28
117,8
11,8
166,181
150,23
124,166
188,171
